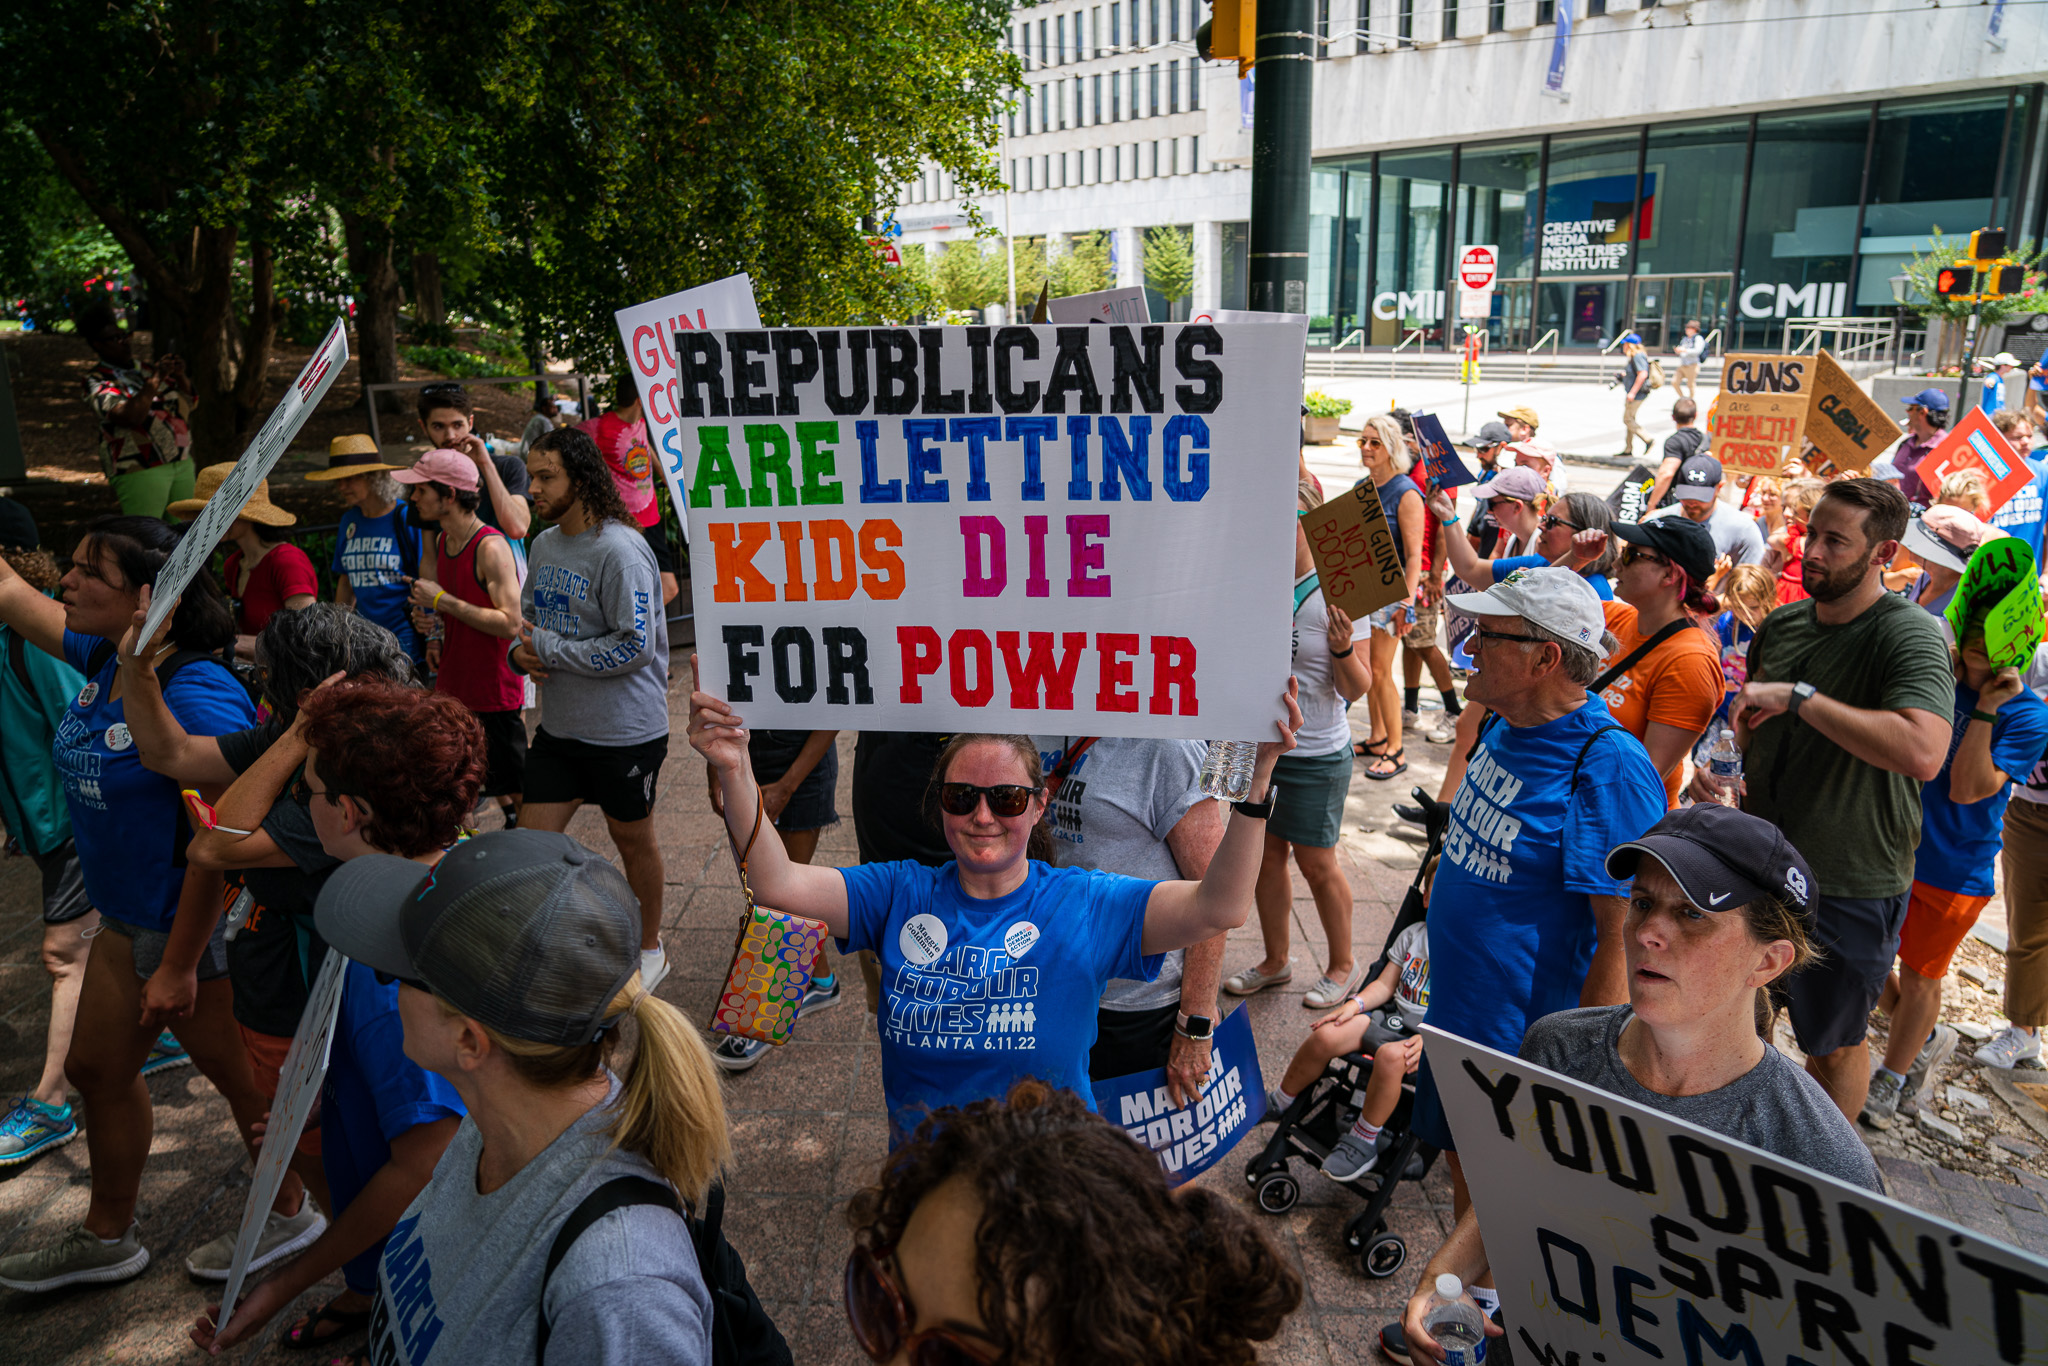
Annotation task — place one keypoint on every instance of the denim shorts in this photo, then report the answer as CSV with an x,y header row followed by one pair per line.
x,y
1382,621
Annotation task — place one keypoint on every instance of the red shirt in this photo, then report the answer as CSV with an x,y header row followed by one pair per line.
x,y
283,572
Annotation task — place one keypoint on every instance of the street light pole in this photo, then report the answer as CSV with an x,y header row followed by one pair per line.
x,y
1281,127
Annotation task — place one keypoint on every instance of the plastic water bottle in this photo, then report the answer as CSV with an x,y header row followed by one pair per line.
x,y
1227,772
1724,768
1455,1322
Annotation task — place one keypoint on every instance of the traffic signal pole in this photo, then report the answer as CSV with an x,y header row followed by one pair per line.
x,y
1281,119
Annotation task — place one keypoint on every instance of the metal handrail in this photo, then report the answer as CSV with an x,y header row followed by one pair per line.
x,y
1415,334
1528,356
1611,345
1856,338
1330,359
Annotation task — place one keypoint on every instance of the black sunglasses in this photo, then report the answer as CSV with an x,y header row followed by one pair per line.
x,y
1552,521
1642,552
1004,799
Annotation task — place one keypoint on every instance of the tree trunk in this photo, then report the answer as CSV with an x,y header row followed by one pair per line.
x,y
258,337
427,305
370,261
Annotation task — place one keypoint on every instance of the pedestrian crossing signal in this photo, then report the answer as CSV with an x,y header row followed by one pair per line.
x,y
1956,281
2008,280
1987,244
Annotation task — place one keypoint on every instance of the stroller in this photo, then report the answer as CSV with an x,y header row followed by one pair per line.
x,y
1325,1111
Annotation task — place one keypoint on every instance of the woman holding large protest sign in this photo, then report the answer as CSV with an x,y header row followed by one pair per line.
x,y
991,964
1720,911
165,962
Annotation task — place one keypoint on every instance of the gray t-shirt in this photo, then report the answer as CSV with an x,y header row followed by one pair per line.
x,y
1774,1106
600,631
1113,813
461,1275
1735,535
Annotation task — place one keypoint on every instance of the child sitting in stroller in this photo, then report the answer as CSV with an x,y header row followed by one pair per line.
x,y
1382,1019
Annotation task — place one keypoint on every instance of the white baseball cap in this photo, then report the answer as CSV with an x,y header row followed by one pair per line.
x,y
1554,598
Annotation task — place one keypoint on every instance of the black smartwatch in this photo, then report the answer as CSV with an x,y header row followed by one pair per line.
x,y
1197,1027
1260,811
1800,692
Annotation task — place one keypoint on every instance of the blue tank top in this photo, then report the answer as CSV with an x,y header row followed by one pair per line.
x,y
1391,493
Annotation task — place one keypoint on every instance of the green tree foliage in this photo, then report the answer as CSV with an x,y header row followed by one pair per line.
x,y
50,243
1170,262
1083,268
966,276
1921,298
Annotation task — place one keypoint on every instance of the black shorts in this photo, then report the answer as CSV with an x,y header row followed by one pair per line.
x,y
1128,1041
504,752
812,805
657,541
64,898
1384,1026
619,779
1830,1002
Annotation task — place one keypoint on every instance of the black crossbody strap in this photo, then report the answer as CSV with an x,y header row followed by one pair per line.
x,y
1635,656
1580,762
618,1193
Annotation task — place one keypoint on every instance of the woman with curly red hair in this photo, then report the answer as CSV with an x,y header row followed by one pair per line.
x,y
1031,1231
382,768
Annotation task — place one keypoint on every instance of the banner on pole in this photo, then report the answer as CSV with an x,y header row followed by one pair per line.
x,y
305,1068
1619,1234
645,330
950,528
257,460
1193,1138
1560,48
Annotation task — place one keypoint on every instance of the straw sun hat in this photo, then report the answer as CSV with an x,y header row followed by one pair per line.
x,y
259,508
354,454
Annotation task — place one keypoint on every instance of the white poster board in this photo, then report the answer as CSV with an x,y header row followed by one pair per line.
x,y
645,331
1080,528
1620,1235
1103,306
251,469
305,1068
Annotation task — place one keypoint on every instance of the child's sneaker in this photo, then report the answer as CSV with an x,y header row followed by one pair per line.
x,y
32,1128
1352,1158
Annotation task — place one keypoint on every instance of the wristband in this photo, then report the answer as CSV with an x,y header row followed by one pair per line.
x,y
435,605
1451,520
1343,653
1990,718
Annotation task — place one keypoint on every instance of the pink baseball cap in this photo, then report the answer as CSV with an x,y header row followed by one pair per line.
x,y
441,466
1947,536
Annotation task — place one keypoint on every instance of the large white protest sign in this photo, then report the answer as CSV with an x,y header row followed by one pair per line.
x,y
251,469
1085,528
1619,1234
305,1068
645,330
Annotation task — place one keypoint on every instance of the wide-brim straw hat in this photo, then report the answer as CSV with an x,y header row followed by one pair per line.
x,y
259,508
353,454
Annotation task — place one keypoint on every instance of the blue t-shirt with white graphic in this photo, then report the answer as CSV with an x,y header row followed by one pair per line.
x,y
1508,564
1511,929
977,994
126,819
367,549
1959,844
2022,514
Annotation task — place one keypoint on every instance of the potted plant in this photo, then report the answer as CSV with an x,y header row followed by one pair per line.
x,y
1320,426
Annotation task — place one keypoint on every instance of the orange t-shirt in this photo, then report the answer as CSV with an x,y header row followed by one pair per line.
x,y
1677,684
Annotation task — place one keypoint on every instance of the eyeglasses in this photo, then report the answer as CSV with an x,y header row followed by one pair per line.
x,y
1552,521
1004,799
882,1319
1641,552
1485,634
303,793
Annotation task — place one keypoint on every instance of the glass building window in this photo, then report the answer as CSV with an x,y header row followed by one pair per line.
x,y
1194,84
1405,24
1325,225
1095,98
1496,16
1410,249
1116,99
1546,11
1497,191
1116,26
1934,172
1591,212
1152,90
1059,33
1450,19
1137,109
1173,87
1805,182
1154,30
1173,19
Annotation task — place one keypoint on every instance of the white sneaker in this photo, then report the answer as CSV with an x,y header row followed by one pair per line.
x,y
2010,1047
1251,980
1940,1046
284,1235
1410,719
1326,993
653,966
1443,732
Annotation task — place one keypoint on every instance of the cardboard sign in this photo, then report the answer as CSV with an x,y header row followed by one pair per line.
x,y
1618,1234
1354,552
1758,421
1084,528
1997,571
305,1068
1439,456
1974,444
645,330
195,548
1103,306
1843,421
1194,1138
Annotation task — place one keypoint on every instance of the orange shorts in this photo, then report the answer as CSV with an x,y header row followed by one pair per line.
x,y
266,1060
1936,922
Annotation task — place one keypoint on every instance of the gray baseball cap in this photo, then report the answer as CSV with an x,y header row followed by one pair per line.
x,y
525,930
1492,434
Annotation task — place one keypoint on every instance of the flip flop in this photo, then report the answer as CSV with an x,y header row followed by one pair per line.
x,y
301,1336
1399,760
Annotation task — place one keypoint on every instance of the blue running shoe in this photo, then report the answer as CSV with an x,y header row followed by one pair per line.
x,y
165,1054
32,1128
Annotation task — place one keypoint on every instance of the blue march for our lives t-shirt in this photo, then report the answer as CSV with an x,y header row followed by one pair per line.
x,y
372,1095
1508,564
2023,514
1511,932
979,993
124,817
367,550
1959,844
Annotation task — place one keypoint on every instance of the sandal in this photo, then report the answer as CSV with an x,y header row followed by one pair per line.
x,y
304,1334
1363,749
1399,760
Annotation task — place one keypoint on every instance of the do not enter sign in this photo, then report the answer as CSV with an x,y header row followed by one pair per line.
x,y
1478,266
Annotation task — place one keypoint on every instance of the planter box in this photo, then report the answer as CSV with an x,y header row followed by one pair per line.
x,y
1320,431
